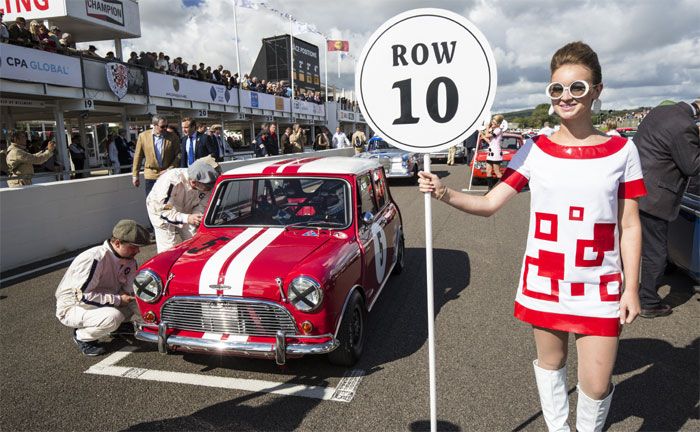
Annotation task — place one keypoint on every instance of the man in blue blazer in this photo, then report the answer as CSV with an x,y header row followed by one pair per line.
x,y
195,145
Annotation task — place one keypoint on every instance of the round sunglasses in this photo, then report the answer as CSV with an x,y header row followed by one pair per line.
x,y
576,89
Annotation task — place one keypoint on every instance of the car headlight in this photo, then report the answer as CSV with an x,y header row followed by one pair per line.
x,y
305,294
148,286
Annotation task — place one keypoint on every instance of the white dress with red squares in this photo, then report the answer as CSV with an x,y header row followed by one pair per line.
x,y
572,276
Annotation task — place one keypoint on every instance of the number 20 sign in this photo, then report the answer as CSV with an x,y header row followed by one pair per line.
x,y
425,79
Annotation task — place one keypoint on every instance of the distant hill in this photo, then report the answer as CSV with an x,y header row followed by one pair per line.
x,y
522,113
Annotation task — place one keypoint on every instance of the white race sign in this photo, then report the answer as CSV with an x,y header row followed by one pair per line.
x,y
425,79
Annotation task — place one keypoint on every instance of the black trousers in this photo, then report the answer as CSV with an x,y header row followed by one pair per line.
x,y
654,256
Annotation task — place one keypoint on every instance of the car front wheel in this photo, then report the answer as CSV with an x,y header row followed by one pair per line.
x,y
351,334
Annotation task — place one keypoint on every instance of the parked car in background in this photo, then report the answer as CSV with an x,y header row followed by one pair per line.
x,y
626,132
290,257
397,163
684,233
510,144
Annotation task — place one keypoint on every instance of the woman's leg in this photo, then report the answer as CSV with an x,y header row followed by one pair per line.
x,y
596,359
497,170
550,373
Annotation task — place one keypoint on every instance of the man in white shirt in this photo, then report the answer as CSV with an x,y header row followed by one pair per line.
x,y
340,140
546,130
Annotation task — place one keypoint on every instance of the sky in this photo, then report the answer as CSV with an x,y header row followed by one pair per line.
x,y
649,50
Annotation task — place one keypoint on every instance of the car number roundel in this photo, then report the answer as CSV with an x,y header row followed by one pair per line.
x,y
380,251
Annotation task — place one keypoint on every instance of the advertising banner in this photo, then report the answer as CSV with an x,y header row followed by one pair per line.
x,y
27,64
97,77
169,86
250,99
310,108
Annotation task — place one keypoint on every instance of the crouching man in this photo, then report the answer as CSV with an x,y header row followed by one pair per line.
x,y
178,200
96,294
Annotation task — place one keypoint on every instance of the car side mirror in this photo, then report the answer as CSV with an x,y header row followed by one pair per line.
x,y
367,217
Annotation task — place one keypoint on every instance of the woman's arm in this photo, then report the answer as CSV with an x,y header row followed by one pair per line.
x,y
478,205
630,250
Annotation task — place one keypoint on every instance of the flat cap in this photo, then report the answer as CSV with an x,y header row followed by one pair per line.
x,y
129,231
202,172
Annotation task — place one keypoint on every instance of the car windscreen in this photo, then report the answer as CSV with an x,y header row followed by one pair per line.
x,y
298,201
507,142
380,145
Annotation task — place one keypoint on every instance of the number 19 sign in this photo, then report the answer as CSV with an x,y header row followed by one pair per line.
x,y
425,81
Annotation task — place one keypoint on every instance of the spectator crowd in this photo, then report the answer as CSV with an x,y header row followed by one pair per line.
x,y
52,39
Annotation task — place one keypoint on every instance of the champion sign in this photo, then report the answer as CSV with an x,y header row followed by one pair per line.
x,y
111,11
26,64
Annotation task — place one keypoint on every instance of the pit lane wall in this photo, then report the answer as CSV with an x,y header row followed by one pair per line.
x,y
46,220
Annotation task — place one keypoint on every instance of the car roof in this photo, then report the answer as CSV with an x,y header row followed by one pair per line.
x,y
308,165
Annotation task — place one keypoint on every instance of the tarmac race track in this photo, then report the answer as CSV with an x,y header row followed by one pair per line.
x,y
485,380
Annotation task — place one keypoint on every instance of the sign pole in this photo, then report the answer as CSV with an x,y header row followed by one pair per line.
x,y
424,101
431,302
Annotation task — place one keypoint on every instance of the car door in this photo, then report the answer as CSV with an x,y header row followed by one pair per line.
x,y
387,220
369,235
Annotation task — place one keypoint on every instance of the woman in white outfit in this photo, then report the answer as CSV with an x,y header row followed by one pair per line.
x,y
495,156
584,225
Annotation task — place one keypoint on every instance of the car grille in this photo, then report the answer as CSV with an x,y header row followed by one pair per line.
x,y
231,316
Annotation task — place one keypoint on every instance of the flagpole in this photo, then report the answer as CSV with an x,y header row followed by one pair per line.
x,y
291,64
325,71
238,55
338,52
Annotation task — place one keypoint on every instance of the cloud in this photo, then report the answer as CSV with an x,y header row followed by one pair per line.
x,y
648,49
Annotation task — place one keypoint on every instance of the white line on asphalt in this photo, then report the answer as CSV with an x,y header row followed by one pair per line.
x,y
344,393
57,263
347,386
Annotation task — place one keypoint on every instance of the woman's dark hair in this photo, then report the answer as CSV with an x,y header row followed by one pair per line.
x,y
577,53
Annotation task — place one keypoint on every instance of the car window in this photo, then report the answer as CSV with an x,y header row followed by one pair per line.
x,y
379,145
510,142
379,188
365,198
281,201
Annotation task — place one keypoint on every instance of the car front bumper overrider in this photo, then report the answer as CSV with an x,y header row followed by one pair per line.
x,y
280,350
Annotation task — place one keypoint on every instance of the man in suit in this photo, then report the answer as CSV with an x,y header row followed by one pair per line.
x,y
272,144
285,143
222,146
195,145
158,149
669,149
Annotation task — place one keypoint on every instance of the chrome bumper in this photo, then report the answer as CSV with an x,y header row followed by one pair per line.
x,y
397,174
279,350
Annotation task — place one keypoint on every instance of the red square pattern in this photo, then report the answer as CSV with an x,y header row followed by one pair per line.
x,y
575,213
546,226
604,281
603,241
549,265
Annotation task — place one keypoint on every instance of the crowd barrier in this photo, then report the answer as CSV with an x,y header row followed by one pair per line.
x,y
47,220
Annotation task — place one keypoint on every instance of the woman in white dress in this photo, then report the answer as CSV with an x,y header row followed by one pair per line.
x,y
581,265
495,156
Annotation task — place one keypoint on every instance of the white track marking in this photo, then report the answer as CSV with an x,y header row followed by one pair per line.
x,y
343,393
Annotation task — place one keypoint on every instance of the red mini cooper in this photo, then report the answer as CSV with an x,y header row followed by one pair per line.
x,y
288,260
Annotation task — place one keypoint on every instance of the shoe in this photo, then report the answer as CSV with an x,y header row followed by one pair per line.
x,y
90,349
659,310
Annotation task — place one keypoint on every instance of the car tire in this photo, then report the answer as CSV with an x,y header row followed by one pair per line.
x,y
351,334
400,263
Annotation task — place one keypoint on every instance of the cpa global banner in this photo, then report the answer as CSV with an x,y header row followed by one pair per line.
x,y
28,64
168,86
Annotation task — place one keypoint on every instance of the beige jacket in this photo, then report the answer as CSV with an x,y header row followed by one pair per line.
x,y
296,140
145,150
21,163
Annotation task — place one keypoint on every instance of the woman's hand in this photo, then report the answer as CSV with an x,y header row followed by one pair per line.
x,y
629,307
429,182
